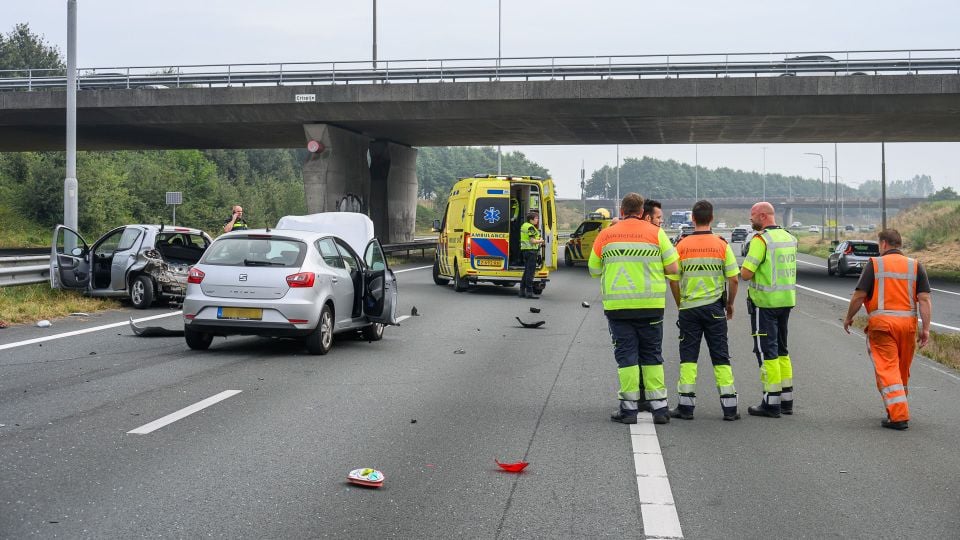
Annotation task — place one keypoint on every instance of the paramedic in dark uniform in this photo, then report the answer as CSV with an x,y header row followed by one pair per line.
x,y
530,242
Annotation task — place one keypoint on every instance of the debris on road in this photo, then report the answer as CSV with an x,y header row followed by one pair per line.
x,y
459,351
366,477
414,312
517,467
585,304
44,324
3,324
79,314
537,324
154,331
534,310
414,421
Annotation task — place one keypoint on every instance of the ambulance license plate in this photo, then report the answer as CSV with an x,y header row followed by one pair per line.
x,y
238,313
489,262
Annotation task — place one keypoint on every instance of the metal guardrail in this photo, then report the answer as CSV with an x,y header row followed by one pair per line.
x,y
24,270
772,64
407,247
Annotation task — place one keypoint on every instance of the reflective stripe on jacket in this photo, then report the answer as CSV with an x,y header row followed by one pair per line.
x,y
629,259
706,261
894,287
527,233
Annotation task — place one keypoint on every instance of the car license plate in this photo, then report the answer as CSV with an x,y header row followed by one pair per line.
x,y
489,262
239,313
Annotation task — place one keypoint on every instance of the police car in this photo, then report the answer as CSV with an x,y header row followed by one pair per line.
x,y
581,240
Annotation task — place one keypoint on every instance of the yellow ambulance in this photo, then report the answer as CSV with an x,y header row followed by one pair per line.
x,y
479,236
581,241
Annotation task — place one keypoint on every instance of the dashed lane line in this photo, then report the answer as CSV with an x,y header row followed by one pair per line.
x,y
657,508
931,288
842,299
124,323
183,413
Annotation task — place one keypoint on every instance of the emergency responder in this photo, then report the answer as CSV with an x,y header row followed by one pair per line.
x,y
236,221
529,249
893,286
706,264
632,258
653,212
771,268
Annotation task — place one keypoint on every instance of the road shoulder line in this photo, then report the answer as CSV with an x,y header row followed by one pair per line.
x,y
183,413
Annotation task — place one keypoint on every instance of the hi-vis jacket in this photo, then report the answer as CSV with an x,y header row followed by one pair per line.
x,y
773,260
706,261
629,257
894,287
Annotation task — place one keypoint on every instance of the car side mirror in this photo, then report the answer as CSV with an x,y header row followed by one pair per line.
x,y
76,252
436,225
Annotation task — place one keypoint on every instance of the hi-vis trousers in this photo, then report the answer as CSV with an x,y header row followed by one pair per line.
x,y
891,342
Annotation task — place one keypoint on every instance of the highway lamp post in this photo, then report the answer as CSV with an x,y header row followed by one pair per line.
x,y
823,194
70,184
618,179
583,187
764,173
883,186
696,172
499,25
836,196
825,213
374,35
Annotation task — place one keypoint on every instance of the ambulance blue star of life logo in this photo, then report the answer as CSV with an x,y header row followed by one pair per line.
x,y
491,215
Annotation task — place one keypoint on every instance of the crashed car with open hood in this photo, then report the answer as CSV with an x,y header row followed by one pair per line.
x,y
142,262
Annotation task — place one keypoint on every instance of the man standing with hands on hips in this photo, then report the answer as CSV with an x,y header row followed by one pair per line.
x,y
771,269
893,286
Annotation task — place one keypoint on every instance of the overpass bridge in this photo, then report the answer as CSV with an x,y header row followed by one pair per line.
x,y
368,120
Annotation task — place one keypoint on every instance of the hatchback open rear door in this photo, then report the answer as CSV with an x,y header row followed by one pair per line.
x,y
549,223
69,260
379,286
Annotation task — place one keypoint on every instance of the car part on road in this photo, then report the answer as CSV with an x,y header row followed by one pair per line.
x,y
534,310
515,467
460,351
44,324
585,304
366,477
537,324
154,331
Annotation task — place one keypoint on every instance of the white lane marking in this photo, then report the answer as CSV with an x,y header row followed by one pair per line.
x,y
183,413
842,299
811,264
931,288
412,269
944,291
402,318
657,509
85,331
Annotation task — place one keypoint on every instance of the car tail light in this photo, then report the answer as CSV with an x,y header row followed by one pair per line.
x,y
467,246
190,316
303,279
195,276
848,251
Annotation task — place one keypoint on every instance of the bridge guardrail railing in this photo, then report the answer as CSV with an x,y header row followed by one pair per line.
x,y
772,64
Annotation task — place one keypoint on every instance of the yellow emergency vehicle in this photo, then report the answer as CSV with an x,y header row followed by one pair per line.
x,y
581,240
479,236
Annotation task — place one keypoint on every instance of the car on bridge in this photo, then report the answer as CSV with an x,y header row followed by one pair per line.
x,y
851,256
144,263
301,280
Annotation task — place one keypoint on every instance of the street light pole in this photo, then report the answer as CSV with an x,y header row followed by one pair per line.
x,y
764,173
374,34
825,213
823,194
618,179
696,172
836,195
70,184
883,186
499,25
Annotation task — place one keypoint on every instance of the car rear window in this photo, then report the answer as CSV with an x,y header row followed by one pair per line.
x,y
492,214
866,249
255,251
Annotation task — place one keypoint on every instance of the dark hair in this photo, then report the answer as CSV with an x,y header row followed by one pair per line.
x,y
702,212
532,214
632,204
891,236
648,206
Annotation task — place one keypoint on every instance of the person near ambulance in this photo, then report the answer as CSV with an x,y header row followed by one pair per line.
x,y
704,292
530,242
632,259
771,269
892,287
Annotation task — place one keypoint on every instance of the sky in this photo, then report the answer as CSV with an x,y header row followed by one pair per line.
x,y
121,33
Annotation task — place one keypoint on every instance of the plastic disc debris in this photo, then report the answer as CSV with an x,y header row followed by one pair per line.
x,y
585,304
512,467
366,477
44,324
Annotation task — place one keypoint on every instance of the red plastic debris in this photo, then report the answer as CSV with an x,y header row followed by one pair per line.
x,y
512,467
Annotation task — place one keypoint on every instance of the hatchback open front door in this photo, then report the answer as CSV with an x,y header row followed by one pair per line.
x,y
379,286
69,260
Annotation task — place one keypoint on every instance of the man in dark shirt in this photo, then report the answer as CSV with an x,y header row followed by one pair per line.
x,y
236,221
893,287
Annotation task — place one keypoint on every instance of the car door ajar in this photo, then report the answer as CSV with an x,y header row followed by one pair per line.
x,y
69,260
379,286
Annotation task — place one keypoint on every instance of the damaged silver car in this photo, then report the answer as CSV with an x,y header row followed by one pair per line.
x,y
145,263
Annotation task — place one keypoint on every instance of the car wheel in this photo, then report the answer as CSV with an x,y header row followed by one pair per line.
x,y
830,270
436,274
459,284
374,332
567,259
141,292
841,268
321,339
196,340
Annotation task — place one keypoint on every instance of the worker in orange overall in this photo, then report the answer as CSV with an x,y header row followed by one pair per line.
x,y
892,287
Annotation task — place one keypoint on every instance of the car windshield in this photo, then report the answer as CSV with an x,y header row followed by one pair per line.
x,y
255,251
866,249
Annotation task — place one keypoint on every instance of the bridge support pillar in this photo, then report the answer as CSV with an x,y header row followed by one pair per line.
x,y
393,190
787,216
337,178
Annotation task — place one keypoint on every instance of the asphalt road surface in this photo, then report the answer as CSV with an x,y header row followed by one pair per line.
x,y
271,460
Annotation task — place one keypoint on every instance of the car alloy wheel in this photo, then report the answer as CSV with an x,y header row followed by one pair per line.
x,y
141,292
321,339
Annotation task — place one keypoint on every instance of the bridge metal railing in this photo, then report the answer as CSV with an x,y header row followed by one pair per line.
x,y
767,64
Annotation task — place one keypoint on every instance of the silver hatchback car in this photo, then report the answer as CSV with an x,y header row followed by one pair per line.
x,y
288,283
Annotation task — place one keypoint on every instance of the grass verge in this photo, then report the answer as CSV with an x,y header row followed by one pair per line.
x,y
812,245
31,303
943,348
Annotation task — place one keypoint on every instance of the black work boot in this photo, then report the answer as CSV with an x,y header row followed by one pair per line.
x,y
680,413
532,293
624,417
890,424
763,410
